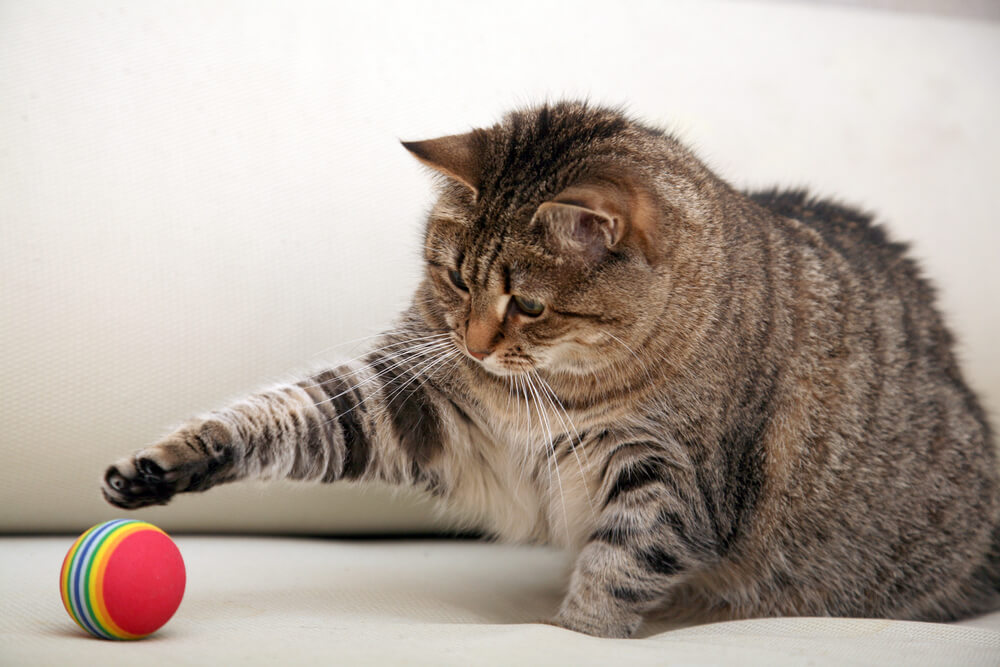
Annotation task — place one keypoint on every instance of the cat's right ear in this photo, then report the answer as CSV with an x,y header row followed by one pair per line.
x,y
456,156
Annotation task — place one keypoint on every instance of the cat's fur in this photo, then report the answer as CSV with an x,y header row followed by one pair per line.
x,y
732,405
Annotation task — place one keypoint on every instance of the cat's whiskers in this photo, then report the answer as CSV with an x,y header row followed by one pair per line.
x,y
557,404
384,348
353,371
509,381
379,355
642,364
619,372
374,377
422,373
568,424
403,356
319,356
381,334
551,462
437,355
525,451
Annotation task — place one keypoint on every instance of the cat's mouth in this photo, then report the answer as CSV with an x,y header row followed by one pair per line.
x,y
502,363
508,367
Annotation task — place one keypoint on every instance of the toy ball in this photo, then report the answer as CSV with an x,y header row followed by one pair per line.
x,y
122,579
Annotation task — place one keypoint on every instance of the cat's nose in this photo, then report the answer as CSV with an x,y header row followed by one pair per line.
x,y
478,354
481,336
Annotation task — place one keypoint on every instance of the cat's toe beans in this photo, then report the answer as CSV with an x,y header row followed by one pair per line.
x,y
119,477
117,489
135,482
114,479
150,469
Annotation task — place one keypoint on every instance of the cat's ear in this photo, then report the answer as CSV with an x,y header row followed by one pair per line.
x,y
578,229
591,220
456,156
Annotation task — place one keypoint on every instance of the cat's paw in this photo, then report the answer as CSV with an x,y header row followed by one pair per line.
x,y
192,459
137,481
616,626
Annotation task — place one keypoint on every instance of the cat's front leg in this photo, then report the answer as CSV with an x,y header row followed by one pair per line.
x,y
652,532
313,430
381,420
193,458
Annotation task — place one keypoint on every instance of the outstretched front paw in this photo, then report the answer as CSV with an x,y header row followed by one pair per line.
x,y
192,459
137,481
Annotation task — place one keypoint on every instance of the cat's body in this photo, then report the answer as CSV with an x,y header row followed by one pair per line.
x,y
729,405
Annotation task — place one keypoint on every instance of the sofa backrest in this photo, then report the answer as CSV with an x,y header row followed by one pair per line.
x,y
197,200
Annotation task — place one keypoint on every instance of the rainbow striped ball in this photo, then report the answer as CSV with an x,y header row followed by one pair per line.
x,y
122,579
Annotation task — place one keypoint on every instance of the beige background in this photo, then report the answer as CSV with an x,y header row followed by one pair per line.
x,y
200,198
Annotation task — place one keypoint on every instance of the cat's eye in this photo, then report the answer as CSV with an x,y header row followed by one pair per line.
x,y
529,307
456,280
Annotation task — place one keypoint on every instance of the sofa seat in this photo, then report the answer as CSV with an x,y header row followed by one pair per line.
x,y
263,600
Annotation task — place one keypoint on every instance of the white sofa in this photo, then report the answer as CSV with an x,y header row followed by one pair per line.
x,y
197,199
287,601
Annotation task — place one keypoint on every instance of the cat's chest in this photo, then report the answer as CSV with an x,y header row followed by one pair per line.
x,y
519,476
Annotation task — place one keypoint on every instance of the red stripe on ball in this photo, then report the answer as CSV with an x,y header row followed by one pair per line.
x,y
144,582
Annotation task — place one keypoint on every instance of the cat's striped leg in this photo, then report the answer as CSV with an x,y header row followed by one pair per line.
x,y
377,421
652,531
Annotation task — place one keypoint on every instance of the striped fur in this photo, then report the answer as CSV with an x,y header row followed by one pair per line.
x,y
728,405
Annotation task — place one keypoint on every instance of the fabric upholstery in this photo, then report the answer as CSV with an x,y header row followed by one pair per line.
x,y
197,199
257,601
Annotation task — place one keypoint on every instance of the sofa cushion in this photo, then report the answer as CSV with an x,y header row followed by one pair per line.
x,y
327,601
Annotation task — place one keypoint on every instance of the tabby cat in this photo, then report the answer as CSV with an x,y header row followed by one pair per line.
x,y
726,405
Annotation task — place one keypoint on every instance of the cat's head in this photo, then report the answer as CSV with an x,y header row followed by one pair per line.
x,y
544,247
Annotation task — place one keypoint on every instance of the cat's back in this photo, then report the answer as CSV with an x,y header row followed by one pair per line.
x,y
890,335
852,233
871,362
895,304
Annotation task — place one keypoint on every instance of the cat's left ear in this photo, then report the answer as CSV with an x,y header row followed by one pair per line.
x,y
456,156
588,221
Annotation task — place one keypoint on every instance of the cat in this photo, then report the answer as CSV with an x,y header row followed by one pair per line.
x,y
725,404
